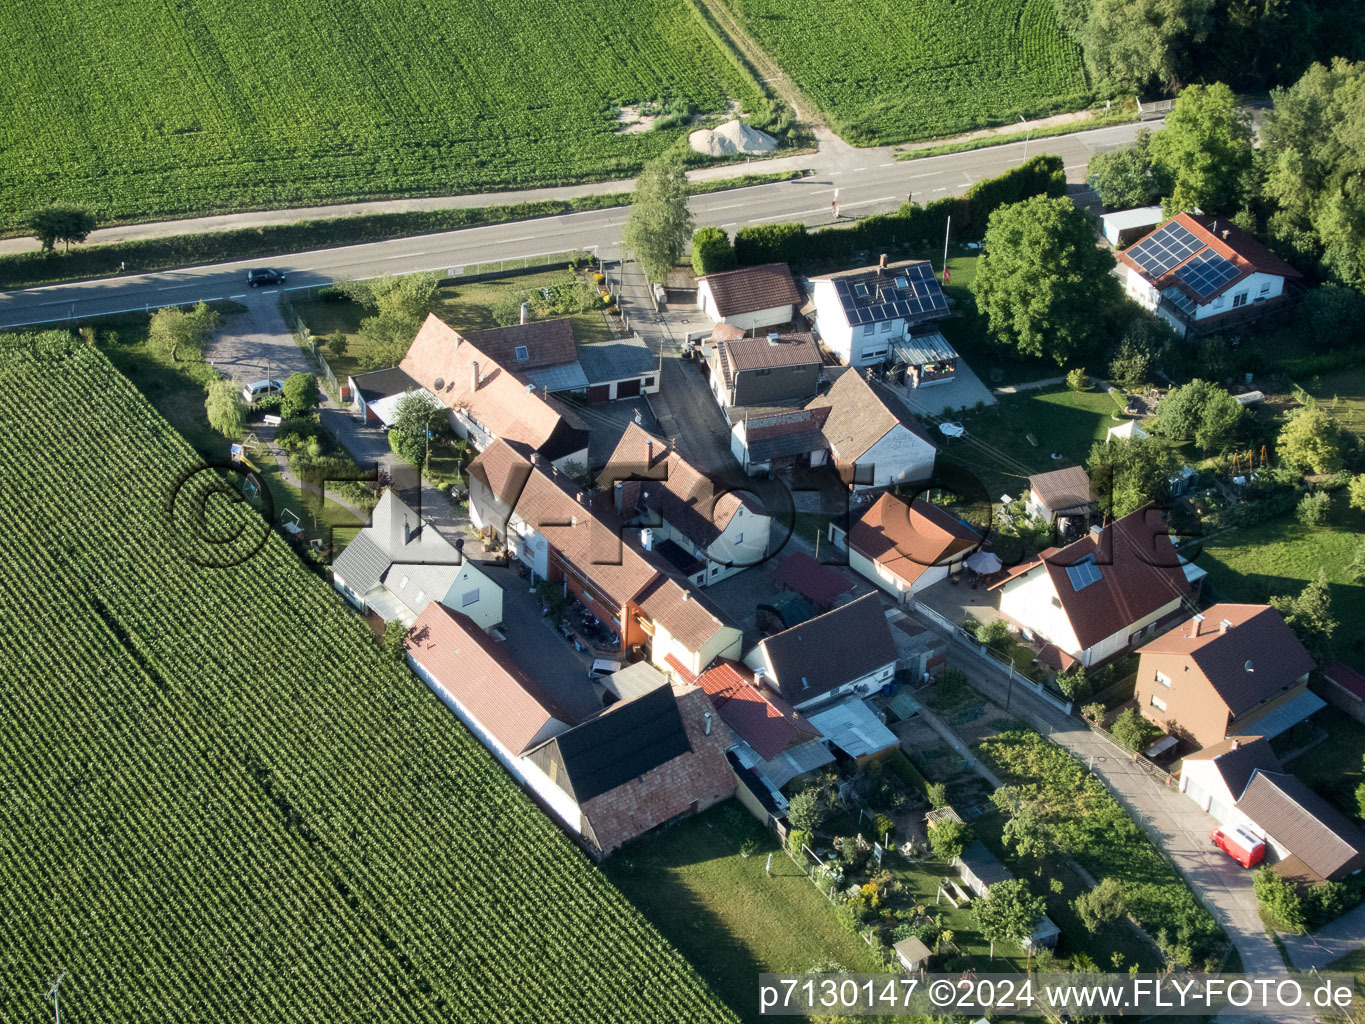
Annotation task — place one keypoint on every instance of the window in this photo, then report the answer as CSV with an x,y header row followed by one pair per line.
x,y
649,382
715,570
874,353
860,290
1158,703
765,372
522,354
402,583
1265,287
868,329
469,597
1163,679
884,327
418,599
739,538
1056,601
1240,299
699,579
1218,302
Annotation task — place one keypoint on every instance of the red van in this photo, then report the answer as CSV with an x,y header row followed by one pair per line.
x,y
1239,844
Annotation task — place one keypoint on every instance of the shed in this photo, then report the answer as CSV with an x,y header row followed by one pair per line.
x,y
855,729
979,868
1123,227
913,954
1128,428
803,574
1045,935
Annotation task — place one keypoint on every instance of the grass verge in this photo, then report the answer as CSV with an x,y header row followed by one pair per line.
x,y
1124,116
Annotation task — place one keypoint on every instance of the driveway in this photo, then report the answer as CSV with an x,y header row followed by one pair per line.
x,y
256,343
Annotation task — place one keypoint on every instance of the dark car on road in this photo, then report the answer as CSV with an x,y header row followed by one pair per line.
x,y
264,275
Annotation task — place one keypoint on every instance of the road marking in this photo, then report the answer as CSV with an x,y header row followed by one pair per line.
x,y
173,287
242,296
823,209
823,191
273,291
944,189
833,173
1072,167
893,163
857,169
402,255
730,206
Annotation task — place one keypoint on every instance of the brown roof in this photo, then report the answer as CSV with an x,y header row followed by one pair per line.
x,y
1139,571
1226,239
830,650
701,775
547,343
860,415
1285,809
906,538
1237,759
750,289
446,364
726,332
1345,677
684,497
1256,634
761,719
1062,490
767,352
690,619
467,663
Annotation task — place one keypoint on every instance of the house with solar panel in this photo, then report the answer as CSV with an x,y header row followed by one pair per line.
x,y
861,315
1202,274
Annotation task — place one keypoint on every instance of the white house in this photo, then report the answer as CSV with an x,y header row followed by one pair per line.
x,y
872,437
1200,274
846,651
906,546
765,439
400,564
1100,595
859,314
750,298
1215,777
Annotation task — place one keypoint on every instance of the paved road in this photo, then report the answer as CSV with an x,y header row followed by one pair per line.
x,y
867,180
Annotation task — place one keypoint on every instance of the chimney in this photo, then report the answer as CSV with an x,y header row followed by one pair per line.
x,y
649,453
1196,622
530,389
1224,626
579,497
687,595
474,375
523,312
881,265
773,338
573,520
616,495
1236,744
1226,232
708,723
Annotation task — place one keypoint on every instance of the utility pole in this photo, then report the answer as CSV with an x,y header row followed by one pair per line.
x,y
55,995
946,229
1027,132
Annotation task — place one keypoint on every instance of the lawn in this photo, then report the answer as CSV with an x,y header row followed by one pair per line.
x,y
1279,556
1343,394
152,110
466,307
886,71
718,908
1333,767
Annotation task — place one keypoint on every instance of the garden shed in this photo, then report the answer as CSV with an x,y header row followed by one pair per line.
x,y
979,868
913,954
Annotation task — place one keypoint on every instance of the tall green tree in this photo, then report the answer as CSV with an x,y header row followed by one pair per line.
x,y
399,303
1204,151
1098,906
1045,287
1128,472
1009,912
1309,615
948,838
1311,441
660,223
417,417
1200,412
1134,44
179,331
225,407
1123,177
806,811
53,224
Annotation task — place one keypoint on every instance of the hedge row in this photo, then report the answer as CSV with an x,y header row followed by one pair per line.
x,y
794,244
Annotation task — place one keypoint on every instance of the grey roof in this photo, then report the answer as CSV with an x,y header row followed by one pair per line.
x,y
983,864
794,761
923,348
362,564
635,680
764,449
379,384
566,377
606,361
816,656
1285,809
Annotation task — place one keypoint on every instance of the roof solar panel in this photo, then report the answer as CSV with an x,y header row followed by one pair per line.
x,y
1166,248
1207,272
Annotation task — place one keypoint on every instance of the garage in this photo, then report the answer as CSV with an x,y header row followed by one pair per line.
x,y
628,389
599,393
1196,793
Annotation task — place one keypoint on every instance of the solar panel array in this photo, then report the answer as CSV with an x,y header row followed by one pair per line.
x,y
1179,300
1159,252
1083,573
1207,272
913,294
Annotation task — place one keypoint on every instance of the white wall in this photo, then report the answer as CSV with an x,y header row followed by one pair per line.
x,y
900,456
835,333
729,548
1140,291
1251,288
1028,601
874,681
889,581
771,317
487,610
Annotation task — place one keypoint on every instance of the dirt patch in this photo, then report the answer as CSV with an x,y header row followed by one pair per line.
x,y
631,121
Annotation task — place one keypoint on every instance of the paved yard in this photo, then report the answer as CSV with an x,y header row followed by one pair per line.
x,y
955,601
257,343
962,392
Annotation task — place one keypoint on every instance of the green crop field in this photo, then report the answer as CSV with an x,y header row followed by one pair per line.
x,y
220,802
151,108
886,71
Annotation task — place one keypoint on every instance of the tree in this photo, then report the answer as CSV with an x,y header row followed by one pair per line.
x,y
1313,508
997,635
1123,177
660,223
1309,615
1335,315
1094,712
1008,913
1043,285
400,304
1132,44
1100,905
300,395
1127,473
225,408
1073,683
1131,366
712,251
1204,151
1078,379
1280,902
1202,412
416,416
395,633
1310,442
948,838
1132,730
54,224
177,330
1026,832
805,811
1355,491
337,344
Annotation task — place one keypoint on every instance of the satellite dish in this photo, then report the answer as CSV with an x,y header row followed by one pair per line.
x,y
440,383
1248,666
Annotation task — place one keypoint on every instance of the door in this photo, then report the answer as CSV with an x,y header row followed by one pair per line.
x,y
599,393
1196,793
628,388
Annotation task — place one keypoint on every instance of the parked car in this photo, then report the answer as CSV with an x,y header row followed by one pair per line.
x,y
258,389
1239,844
602,667
264,275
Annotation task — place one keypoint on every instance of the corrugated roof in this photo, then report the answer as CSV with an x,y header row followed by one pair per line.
x,y
1285,809
853,728
750,289
794,761
908,538
1064,490
832,649
923,348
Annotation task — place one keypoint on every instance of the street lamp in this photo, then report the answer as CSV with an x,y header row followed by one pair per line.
x,y
1027,132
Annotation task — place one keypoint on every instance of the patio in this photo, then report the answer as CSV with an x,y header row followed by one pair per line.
x,y
955,602
962,392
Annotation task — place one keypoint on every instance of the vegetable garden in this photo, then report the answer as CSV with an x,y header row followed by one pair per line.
x,y
143,110
887,71
221,802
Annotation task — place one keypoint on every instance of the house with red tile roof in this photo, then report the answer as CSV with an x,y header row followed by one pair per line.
x,y
489,401
1235,670
707,531
1102,594
750,298
575,538
1200,274
905,546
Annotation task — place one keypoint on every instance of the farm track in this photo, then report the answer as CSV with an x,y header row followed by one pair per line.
x,y
770,75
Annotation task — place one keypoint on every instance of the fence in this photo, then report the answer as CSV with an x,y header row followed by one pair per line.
x,y
536,261
309,344
613,288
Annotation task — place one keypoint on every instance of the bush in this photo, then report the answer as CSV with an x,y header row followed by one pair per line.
x,y
1093,713
796,839
1073,684
1078,380
1133,731
1280,902
937,793
951,688
331,293
712,251
883,826
996,635
1313,508
948,838
805,811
